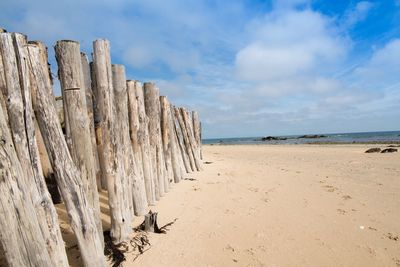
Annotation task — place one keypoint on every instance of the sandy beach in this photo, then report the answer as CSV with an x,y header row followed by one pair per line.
x,y
278,205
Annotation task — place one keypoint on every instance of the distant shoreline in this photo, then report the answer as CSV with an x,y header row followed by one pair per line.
x,y
389,137
397,142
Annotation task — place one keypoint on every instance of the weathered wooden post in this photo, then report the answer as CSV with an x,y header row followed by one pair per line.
x,y
152,106
185,137
180,141
136,99
20,234
135,181
21,120
90,110
166,138
107,141
192,142
67,174
197,132
97,116
80,147
3,88
177,157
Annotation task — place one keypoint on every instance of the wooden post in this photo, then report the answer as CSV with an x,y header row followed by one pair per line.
x,y
107,140
3,87
166,139
180,141
21,120
67,174
80,147
89,106
197,131
20,234
177,157
192,142
135,181
152,106
97,116
185,137
136,102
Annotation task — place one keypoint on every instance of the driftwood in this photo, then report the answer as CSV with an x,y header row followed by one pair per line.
x,y
136,98
192,142
107,141
152,106
135,187
76,116
87,84
21,120
67,174
166,137
180,141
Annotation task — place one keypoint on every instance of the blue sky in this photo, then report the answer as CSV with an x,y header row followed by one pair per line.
x,y
251,68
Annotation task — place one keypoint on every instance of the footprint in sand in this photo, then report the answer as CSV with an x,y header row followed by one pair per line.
x,y
330,188
341,211
253,189
392,237
346,197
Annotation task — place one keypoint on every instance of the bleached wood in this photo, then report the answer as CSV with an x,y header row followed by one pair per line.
x,y
185,137
135,181
152,106
177,157
110,163
44,206
192,142
76,115
3,88
197,132
136,97
166,137
21,120
87,82
67,174
181,142
21,238
123,146
97,116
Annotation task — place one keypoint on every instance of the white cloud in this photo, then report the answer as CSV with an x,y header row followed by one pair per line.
x,y
383,68
357,14
295,46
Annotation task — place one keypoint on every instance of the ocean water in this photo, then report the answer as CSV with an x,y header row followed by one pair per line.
x,y
365,137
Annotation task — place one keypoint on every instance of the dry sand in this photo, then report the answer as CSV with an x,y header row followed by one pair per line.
x,y
280,205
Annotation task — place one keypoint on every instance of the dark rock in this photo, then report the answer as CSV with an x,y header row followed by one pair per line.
x,y
313,136
389,150
272,138
373,150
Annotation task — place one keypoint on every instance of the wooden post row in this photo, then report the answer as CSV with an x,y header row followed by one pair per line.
x,y
120,136
137,201
139,130
38,209
107,137
68,176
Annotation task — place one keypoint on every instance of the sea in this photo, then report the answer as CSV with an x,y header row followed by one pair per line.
x,y
334,138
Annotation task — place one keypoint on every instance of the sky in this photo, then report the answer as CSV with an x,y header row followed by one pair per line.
x,y
249,67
